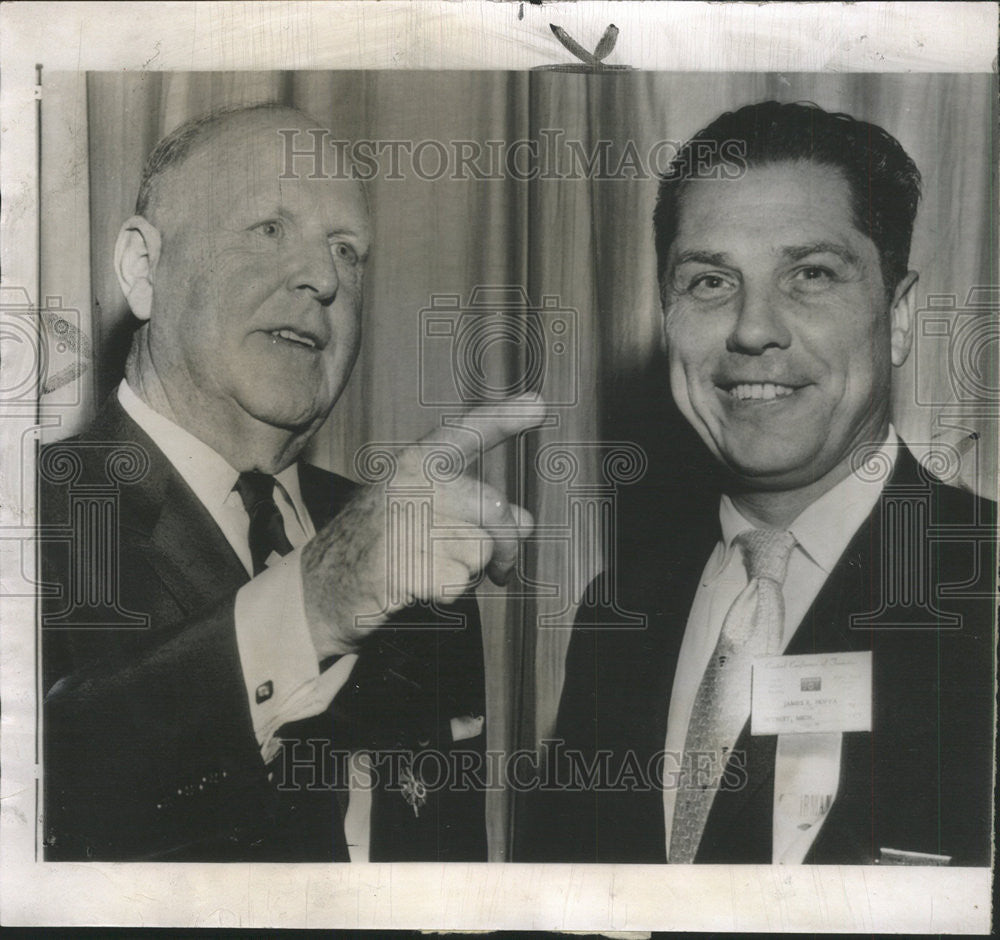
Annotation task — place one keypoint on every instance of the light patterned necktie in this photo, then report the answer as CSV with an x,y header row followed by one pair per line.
x,y
753,627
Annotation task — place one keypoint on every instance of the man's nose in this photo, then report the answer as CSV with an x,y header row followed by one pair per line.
x,y
314,271
760,323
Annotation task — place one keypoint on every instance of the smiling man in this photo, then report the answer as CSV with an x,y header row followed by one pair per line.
x,y
814,683
781,332
200,631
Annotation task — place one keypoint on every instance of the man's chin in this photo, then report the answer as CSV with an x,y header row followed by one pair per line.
x,y
291,424
292,417
770,470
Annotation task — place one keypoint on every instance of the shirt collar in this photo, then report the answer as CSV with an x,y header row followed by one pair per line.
x,y
206,472
825,527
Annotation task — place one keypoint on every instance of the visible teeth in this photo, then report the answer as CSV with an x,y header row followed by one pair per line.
x,y
762,390
294,337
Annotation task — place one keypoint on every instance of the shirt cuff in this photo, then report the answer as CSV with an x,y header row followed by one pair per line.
x,y
279,661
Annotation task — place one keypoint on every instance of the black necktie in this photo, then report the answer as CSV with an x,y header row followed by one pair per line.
x,y
267,530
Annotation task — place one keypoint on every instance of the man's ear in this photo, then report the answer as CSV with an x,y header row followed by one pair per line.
x,y
902,311
137,252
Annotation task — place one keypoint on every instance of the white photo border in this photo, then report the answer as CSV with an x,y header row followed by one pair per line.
x,y
861,37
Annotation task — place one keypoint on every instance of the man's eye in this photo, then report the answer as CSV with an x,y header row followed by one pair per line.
x,y
813,277
709,287
270,229
345,252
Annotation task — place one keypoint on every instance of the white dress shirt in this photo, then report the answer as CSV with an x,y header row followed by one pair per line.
x,y
822,532
272,633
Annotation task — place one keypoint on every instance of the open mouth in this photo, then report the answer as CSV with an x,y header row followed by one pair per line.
x,y
758,391
291,336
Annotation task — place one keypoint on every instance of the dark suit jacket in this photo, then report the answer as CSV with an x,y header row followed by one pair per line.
x,y
149,750
919,781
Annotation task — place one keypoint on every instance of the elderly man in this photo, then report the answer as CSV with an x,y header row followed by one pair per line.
x,y
202,714
814,682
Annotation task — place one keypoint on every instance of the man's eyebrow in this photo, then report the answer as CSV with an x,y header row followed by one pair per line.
x,y
342,231
703,257
798,252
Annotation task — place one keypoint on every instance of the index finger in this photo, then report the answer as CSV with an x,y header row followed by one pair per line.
x,y
484,426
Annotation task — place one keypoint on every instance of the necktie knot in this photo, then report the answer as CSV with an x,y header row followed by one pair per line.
x,y
267,530
254,488
766,552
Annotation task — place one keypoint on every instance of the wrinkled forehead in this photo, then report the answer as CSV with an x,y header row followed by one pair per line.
x,y
243,166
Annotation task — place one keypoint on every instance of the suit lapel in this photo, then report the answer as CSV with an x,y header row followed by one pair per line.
x,y
193,557
190,554
825,628
324,494
671,582
676,595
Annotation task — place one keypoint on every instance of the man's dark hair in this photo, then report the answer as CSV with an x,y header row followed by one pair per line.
x,y
173,149
884,181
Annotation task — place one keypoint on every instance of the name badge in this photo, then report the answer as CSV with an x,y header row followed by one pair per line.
x,y
815,693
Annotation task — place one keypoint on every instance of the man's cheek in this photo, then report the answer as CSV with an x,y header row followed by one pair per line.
x,y
685,392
